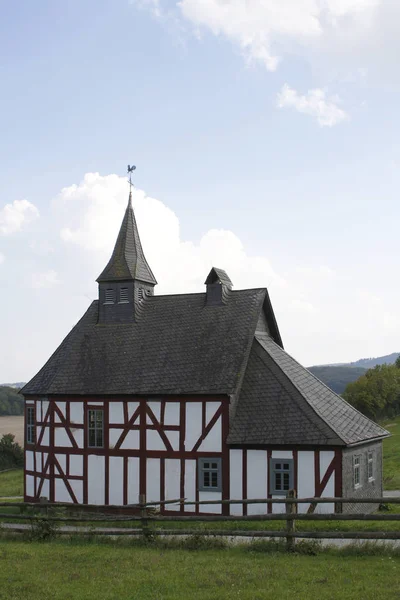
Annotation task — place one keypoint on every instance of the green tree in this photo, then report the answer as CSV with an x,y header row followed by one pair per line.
x,y
11,402
377,393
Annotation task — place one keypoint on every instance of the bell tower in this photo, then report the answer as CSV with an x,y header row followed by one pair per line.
x,y
127,277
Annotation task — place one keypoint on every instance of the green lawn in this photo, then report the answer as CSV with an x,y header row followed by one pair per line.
x,y
391,456
12,483
62,571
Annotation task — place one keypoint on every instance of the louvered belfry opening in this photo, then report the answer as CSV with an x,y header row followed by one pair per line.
x,y
127,278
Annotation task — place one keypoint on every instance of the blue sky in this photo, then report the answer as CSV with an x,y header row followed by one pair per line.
x,y
293,161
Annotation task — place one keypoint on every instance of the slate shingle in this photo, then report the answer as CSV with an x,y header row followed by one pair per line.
x,y
178,345
281,402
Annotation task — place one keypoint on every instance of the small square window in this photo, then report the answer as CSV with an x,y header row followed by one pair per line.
x,y
281,476
210,475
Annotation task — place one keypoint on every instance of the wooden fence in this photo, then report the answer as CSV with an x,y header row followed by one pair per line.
x,y
148,517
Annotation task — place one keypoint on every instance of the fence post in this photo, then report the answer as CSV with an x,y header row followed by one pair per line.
x,y
43,501
291,509
143,513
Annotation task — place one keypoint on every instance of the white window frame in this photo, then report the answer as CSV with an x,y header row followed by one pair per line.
x,y
370,465
30,425
97,429
279,467
357,471
205,466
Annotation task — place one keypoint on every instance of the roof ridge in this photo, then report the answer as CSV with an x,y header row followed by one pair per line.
x,y
246,356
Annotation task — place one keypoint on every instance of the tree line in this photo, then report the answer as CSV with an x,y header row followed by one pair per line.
x,y
11,403
376,393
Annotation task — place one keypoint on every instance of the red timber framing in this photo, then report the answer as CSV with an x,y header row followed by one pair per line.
x,y
321,480
60,437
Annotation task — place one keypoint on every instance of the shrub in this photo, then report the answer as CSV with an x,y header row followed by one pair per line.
x,y
11,453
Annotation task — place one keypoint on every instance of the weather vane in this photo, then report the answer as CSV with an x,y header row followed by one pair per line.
x,y
130,170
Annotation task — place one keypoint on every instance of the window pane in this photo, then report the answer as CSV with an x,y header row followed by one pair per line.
x,y
206,479
206,465
214,466
286,481
286,466
278,481
92,437
214,479
278,466
99,438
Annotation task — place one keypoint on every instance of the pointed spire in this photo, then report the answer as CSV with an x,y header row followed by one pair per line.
x,y
128,261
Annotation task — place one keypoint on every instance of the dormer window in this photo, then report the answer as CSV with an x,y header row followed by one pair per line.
x,y
123,295
110,296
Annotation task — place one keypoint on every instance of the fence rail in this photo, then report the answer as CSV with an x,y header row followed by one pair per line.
x,y
148,517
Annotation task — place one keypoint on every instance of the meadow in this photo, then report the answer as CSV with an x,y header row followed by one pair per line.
x,y
391,456
100,571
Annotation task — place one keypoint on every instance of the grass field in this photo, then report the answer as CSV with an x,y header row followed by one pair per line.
x,y
12,483
63,570
391,456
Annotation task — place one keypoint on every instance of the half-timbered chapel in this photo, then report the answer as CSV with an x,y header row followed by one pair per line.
x,y
187,396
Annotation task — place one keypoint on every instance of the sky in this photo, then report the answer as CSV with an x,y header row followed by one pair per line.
x,y
265,136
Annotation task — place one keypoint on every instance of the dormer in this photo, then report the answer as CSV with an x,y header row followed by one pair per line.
x,y
217,282
127,278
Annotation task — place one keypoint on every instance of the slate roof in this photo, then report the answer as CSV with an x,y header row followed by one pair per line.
x,y
178,345
182,345
281,402
127,260
219,275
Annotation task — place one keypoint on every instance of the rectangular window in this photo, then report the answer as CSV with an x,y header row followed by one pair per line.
x,y
30,425
210,477
96,428
357,471
110,297
123,296
370,461
281,475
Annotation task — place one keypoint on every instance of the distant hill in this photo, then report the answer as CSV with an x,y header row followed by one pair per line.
x,y
16,386
11,403
337,376
370,363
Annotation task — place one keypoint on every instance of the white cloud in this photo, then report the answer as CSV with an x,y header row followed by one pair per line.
x,y
46,279
315,103
14,216
266,29
2,258
152,5
92,212
323,315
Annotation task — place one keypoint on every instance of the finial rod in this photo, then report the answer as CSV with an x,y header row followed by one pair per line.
x,y
131,168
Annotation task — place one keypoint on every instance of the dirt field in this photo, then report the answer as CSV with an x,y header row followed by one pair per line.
x,y
13,425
